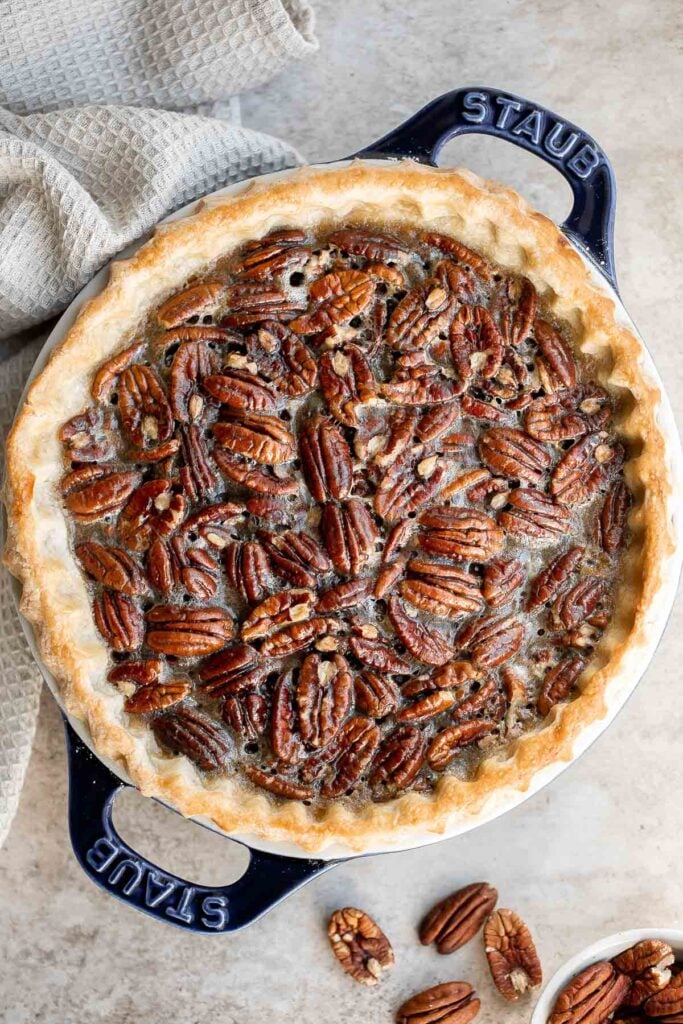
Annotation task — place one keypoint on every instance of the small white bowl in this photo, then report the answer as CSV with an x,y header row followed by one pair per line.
x,y
604,949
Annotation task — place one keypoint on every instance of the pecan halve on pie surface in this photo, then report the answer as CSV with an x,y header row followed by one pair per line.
x,y
326,503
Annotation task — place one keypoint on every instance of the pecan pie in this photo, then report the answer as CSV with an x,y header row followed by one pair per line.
x,y
340,507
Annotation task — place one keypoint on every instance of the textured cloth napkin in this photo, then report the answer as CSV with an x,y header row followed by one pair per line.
x,y
81,177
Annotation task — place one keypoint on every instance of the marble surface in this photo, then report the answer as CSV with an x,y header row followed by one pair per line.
x,y
597,851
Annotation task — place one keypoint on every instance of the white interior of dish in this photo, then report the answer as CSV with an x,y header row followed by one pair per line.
x,y
617,693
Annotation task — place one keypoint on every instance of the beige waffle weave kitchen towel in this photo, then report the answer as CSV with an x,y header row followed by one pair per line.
x,y
98,141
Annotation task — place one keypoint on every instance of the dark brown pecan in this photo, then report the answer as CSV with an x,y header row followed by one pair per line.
x,y
93,492
428,706
591,997
517,304
487,700
323,697
373,245
247,569
500,580
647,965
481,410
452,675
276,611
475,342
241,391
378,655
585,468
566,415
445,745
144,672
668,1003
441,590
376,695
284,358
246,715
188,731
511,453
325,459
143,407
511,953
463,534
90,436
296,557
576,604
613,517
546,586
457,918
107,375
344,595
555,362
349,534
152,511
157,697
287,789
286,743
360,945
425,643
265,439
119,620
420,316
558,682
255,478
197,474
411,482
357,742
212,523
276,253
337,298
492,640
188,632
252,302
195,300
233,671
346,381
459,252
399,758
451,1002
112,567
531,513
298,637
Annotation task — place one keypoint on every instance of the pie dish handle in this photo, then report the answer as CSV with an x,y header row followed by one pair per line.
x,y
563,145
115,867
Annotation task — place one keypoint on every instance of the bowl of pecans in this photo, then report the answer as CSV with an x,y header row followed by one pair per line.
x,y
628,977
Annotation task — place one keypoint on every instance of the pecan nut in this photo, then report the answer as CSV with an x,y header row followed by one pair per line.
x,y
492,640
613,517
265,439
153,510
192,363
446,744
463,534
453,921
188,632
451,1002
188,731
94,492
425,643
143,406
296,557
399,758
360,945
241,391
585,468
441,590
420,316
591,997
647,964
325,460
555,362
546,585
558,682
119,620
349,534
533,514
233,671
667,1003
246,715
500,581
195,300
155,698
112,567
337,298
247,569
566,415
276,611
346,381
511,953
323,697
512,454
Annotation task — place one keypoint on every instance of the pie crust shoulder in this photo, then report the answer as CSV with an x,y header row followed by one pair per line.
x,y
495,222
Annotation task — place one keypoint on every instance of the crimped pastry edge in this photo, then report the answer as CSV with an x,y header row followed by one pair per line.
x,y
497,222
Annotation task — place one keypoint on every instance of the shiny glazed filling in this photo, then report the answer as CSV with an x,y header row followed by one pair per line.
x,y
351,511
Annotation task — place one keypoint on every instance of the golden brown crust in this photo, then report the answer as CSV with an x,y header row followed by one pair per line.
x,y
483,215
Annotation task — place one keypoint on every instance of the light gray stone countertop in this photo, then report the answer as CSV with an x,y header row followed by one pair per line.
x,y
598,850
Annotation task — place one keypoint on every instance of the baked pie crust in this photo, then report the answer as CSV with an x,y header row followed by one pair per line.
x,y
493,221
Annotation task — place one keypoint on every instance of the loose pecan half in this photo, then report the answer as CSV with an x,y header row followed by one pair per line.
x,y
233,671
188,731
533,514
188,632
119,620
337,298
647,965
265,439
511,453
347,381
453,921
591,997
360,945
325,459
463,534
451,1002
425,643
112,567
558,682
511,953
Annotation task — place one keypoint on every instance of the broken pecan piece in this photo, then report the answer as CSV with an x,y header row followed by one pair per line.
x,y
276,611
453,921
189,731
287,789
255,478
451,1002
511,953
297,637
647,965
152,511
667,1004
107,375
359,944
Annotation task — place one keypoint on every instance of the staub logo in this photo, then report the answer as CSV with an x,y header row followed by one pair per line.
x,y
186,905
545,132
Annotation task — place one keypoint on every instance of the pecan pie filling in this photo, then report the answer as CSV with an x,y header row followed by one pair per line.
x,y
351,510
